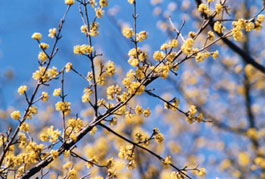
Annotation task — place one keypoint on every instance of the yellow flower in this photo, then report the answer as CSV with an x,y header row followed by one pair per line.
x,y
216,54
83,49
127,32
73,172
133,61
36,36
159,138
110,68
131,1
218,27
173,43
44,137
68,67
42,56
67,165
43,46
211,35
252,133
57,92
138,110
260,18
131,165
203,8
69,2
167,161
52,32
164,46
186,47
15,115
54,154
193,110
112,90
142,36
201,172
22,89
249,26
218,8
24,127
64,107
199,57
244,159
158,55
147,112
93,131
45,96
52,72
103,3
86,95
99,12
133,52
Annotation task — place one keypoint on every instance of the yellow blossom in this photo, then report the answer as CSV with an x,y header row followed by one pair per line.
x,y
131,1
103,3
211,35
54,154
67,165
52,72
260,18
42,56
204,8
244,158
252,133
199,57
173,43
44,137
43,46
218,27
52,32
133,61
57,92
186,47
93,131
99,12
147,112
159,138
127,32
73,172
83,49
164,46
142,36
216,54
69,2
64,107
22,89
138,110
24,127
218,8
167,161
110,68
37,36
86,95
158,55
192,110
68,67
201,172
45,96
15,115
